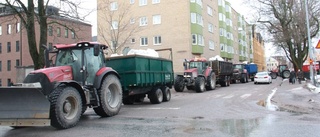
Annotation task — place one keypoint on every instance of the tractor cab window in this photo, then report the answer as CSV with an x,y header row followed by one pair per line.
x,y
93,64
200,65
71,58
238,67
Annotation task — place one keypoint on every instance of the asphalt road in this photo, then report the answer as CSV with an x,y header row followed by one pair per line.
x,y
223,112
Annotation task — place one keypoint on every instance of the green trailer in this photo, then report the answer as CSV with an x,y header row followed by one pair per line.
x,y
143,75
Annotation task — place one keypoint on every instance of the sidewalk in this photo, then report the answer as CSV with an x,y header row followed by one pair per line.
x,y
296,98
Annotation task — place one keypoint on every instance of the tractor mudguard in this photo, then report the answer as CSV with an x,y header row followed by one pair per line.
x,y
101,74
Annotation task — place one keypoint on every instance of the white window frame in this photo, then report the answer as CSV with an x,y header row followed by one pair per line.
x,y
156,19
131,1
144,41
143,21
114,6
157,40
193,18
200,40
155,1
194,39
211,44
0,30
114,25
143,2
9,31
193,1
18,27
209,11
132,21
210,27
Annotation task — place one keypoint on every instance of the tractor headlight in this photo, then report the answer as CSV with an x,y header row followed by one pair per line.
x,y
36,85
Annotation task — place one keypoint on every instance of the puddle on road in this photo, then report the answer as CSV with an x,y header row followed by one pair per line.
x,y
238,127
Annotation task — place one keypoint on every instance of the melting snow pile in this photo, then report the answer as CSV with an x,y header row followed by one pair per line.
x,y
217,57
148,52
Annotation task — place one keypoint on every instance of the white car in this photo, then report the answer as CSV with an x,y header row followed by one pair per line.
x,y
262,77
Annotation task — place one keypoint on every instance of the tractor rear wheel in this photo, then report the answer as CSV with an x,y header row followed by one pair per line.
x,y
110,95
179,84
200,84
285,74
211,82
66,107
273,75
155,96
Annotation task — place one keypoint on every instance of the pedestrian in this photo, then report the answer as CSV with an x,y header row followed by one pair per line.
x,y
299,75
292,78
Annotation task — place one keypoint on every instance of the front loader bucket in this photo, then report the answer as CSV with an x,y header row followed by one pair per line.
x,y
23,106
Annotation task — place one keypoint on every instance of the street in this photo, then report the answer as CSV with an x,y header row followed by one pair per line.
x,y
224,112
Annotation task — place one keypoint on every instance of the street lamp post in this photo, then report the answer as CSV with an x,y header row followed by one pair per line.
x,y
309,42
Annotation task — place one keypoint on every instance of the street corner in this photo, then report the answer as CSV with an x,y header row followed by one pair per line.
x,y
300,98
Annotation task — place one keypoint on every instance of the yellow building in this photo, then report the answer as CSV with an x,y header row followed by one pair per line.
x,y
258,50
191,28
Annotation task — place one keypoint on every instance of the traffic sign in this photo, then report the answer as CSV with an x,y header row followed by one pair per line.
x,y
318,45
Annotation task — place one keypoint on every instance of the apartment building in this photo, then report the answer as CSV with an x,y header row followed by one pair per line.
x,y
258,50
14,50
192,28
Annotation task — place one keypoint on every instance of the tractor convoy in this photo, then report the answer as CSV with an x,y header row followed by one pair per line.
x,y
78,76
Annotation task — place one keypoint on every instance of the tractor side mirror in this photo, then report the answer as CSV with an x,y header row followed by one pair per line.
x,y
96,50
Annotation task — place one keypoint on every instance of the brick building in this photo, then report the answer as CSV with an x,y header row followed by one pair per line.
x,y
14,50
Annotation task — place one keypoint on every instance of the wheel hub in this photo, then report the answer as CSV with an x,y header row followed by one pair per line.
x,y
67,107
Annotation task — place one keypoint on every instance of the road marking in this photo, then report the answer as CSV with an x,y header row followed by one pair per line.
x,y
158,108
229,96
244,96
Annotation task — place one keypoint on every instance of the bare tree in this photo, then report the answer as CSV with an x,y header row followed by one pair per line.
x,y
285,21
118,24
30,15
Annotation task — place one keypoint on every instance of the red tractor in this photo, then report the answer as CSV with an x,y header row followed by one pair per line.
x,y
281,71
59,95
198,76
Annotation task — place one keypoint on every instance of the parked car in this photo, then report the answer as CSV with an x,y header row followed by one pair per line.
x,y
262,77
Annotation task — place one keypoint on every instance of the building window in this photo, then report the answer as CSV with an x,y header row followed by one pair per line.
x,y
155,1
18,27
50,31
0,48
17,46
143,21
157,40
50,46
194,39
9,29
0,30
9,82
142,2
0,66
133,40
156,19
143,41
73,35
113,6
8,47
0,83
132,21
9,65
211,45
193,18
58,32
200,40
17,62
209,11
131,1
210,27
114,25
66,33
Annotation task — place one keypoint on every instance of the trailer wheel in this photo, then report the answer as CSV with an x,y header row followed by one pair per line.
x,y
166,94
110,97
179,84
200,84
155,96
229,81
224,81
211,83
65,108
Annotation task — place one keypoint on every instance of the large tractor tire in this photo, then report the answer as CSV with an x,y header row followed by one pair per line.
x,y
200,84
166,94
110,95
179,84
285,74
66,107
211,82
155,96
243,78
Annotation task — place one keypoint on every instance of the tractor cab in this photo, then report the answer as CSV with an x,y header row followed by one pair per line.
x,y
198,65
238,68
85,59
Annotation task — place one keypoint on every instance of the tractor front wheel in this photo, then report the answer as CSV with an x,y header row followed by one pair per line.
x,y
200,84
66,107
179,84
110,97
